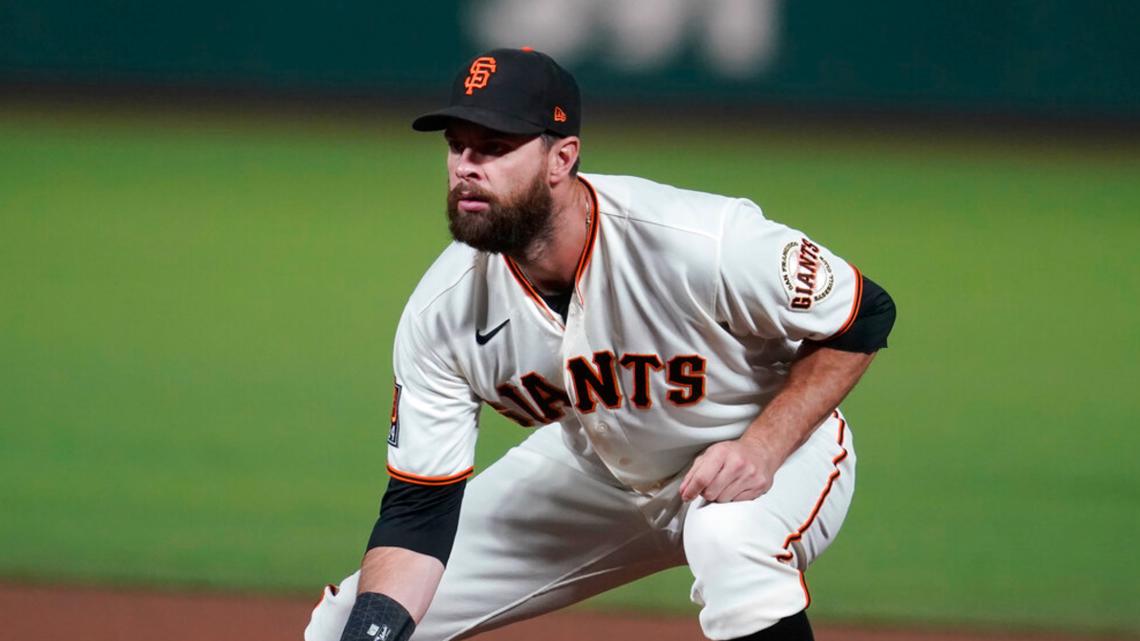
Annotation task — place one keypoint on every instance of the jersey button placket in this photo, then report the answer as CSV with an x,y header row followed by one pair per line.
x,y
573,344
601,426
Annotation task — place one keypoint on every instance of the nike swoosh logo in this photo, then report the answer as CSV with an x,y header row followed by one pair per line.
x,y
483,338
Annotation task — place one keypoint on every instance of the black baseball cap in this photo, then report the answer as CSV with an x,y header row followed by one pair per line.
x,y
515,91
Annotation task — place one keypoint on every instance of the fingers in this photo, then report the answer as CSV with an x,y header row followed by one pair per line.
x,y
705,469
734,473
747,493
742,488
722,474
732,490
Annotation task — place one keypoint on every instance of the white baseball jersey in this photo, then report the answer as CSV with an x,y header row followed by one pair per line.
x,y
687,310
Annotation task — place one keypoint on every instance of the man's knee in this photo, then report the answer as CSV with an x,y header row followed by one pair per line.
x,y
718,536
741,578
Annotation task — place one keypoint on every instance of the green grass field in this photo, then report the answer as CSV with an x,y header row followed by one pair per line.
x,y
196,316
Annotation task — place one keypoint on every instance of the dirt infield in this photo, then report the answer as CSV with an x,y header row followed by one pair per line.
x,y
52,613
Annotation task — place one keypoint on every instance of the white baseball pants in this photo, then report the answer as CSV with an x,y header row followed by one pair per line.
x,y
541,529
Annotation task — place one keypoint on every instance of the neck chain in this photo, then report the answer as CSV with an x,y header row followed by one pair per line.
x,y
589,220
589,209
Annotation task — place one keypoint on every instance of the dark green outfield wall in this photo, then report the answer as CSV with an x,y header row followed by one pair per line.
x,y
1049,57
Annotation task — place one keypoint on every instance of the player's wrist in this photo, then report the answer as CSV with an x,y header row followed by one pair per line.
x,y
377,617
767,452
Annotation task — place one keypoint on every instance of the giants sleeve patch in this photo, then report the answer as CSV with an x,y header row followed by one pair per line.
x,y
394,429
806,274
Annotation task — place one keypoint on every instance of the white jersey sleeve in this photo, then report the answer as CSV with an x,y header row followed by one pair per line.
x,y
777,283
431,440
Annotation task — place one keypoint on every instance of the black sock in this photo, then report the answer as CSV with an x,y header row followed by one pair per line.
x,y
793,628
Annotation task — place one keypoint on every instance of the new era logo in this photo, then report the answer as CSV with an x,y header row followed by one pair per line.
x,y
559,115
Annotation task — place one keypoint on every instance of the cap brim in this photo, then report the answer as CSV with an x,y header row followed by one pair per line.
x,y
439,120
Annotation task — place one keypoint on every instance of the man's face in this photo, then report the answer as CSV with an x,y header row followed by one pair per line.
x,y
498,196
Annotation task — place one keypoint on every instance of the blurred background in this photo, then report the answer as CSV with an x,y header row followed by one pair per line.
x,y
211,215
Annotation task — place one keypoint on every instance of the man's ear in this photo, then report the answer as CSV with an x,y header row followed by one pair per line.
x,y
563,156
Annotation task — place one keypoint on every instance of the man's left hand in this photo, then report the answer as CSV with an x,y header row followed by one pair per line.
x,y
738,470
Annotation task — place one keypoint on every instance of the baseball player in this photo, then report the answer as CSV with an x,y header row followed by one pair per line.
x,y
679,357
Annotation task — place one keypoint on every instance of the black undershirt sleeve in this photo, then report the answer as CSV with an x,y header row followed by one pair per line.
x,y
868,332
420,518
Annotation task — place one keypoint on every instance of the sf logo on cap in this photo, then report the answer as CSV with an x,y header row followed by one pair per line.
x,y
481,71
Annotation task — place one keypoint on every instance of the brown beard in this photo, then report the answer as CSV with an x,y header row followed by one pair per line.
x,y
511,227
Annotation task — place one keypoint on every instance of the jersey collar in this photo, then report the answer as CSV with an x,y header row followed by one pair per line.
x,y
583,260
